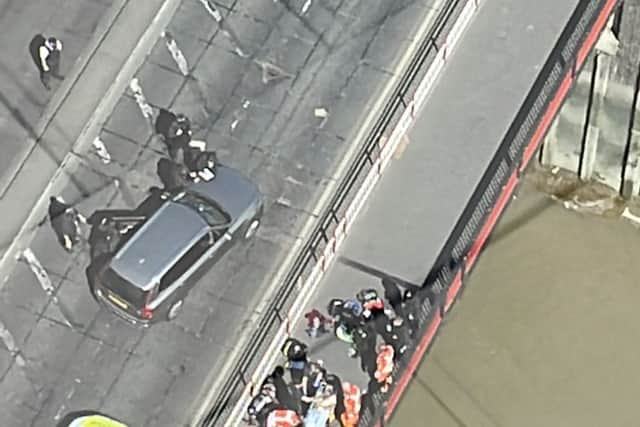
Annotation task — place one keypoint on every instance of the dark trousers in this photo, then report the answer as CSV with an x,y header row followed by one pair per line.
x,y
53,61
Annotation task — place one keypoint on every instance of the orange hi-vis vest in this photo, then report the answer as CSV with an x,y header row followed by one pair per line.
x,y
283,418
352,399
384,363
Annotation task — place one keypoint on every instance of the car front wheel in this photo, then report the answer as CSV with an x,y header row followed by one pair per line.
x,y
174,310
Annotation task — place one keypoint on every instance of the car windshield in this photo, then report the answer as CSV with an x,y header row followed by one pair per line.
x,y
211,213
123,288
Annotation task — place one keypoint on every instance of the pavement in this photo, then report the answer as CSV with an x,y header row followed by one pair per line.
x,y
545,332
154,377
411,213
23,98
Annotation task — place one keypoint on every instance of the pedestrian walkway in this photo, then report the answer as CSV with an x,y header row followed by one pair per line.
x,y
258,112
23,99
545,331
410,215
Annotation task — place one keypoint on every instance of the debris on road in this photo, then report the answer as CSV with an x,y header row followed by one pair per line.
x,y
101,151
321,112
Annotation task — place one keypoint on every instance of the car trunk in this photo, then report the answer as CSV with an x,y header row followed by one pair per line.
x,y
123,294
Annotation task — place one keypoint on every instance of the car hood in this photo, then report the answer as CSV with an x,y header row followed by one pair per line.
x,y
231,190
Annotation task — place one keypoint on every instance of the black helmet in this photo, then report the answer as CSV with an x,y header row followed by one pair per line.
x,y
335,307
367,295
293,349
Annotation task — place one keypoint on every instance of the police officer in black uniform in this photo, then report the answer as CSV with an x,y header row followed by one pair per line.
x,y
45,53
65,221
175,130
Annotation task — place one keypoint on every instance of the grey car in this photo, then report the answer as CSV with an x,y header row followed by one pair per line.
x,y
182,234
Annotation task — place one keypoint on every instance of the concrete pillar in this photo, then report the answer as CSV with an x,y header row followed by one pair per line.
x,y
550,140
631,181
606,48
608,43
602,75
589,151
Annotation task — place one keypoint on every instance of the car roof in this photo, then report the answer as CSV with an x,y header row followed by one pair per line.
x,y
158,244
229,189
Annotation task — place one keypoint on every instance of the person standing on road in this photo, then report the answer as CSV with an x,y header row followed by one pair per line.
x,y
364,340
172,175
65,221
347,317
175,130
336,383
104,237
283,393
384,367
297,362
263,404
46,55
411,306
393,295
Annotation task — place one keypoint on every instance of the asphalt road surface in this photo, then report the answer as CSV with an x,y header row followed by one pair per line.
x,y
411,213
546,331
22,97
337,56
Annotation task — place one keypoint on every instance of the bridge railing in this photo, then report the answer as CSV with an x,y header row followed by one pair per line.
x,y
311,254
470,234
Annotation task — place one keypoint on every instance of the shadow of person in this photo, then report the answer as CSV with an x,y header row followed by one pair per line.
x,y
34,50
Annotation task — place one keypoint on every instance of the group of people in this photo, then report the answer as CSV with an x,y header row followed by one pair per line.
x,y
377,329
187,161
312,398
378,332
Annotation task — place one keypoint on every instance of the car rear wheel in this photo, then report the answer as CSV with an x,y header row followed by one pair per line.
x,y
174,310
253,227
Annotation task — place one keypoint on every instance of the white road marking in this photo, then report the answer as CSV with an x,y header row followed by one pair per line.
x,y
176,53
101,150
141,100
46,284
